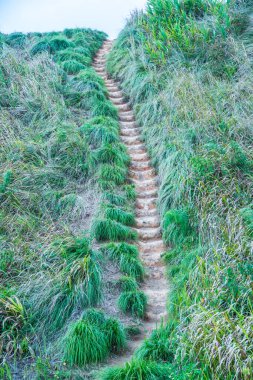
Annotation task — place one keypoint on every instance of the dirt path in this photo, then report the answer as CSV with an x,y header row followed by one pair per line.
x,y
147,218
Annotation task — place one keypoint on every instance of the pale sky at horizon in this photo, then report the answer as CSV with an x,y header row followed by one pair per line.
x,y
55,15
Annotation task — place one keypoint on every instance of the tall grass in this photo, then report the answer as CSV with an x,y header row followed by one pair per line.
x,y
188,74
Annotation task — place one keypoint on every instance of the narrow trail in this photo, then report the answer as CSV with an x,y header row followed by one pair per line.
x,y
142,174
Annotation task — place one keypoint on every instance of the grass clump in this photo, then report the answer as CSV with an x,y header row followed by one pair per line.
x,y
157,347
115,335
128,284
72,66
137,370
84,344
117,250
111,230
119,215
133,302
132,266
91,338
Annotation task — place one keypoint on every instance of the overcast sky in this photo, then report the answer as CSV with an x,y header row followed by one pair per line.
x,y
48,15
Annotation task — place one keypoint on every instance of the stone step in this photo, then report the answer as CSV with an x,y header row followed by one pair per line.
x,y
146,203
148,221
129,124
115,94
156,317
100,69
129,132
143,177
131,140
136,149
146,213
146,192
117,101
101,61
126,117
149,233
139,157
123,107
141,165
99,65
137,178
109,82
156,245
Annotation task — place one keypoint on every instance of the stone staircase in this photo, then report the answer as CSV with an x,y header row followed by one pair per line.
x,y
143,175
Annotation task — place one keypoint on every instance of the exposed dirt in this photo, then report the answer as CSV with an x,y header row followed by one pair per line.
x,y
150,243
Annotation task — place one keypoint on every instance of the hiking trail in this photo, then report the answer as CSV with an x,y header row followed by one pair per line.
x,y
150,242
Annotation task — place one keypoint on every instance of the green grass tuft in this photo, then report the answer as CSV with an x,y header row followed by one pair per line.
x,y
72,66
112,174
132,266
157,347
115,335
117,250
106,229
137,370
119,215
176,226
133,302
128,284
84,344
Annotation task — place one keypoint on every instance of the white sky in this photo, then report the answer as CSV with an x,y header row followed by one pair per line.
x,y
48,15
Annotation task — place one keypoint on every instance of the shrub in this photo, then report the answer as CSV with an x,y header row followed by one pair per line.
x,y
69,55
72,66
100,132
115,199
16,40
133,302
59,43
104,108
41,47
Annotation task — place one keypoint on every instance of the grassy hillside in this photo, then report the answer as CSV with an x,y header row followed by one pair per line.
x,y
62,184
186,68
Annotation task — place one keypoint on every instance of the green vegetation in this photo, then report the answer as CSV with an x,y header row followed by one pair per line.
x,y
133,302
137,370
90,339
60,140
186,67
